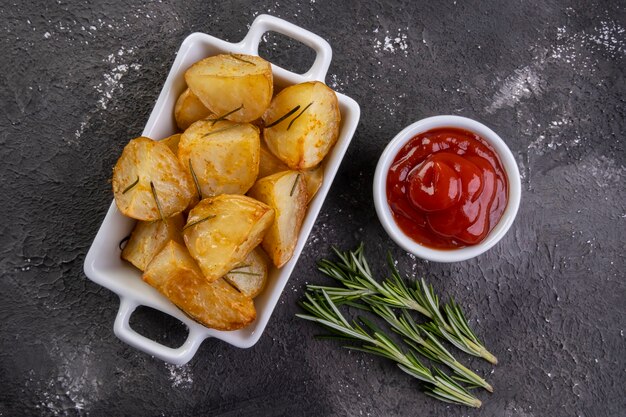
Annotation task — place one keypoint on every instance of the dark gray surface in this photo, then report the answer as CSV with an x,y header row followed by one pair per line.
x,y
79,80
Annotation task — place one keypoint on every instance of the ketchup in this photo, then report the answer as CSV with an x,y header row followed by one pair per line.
x,y
446,188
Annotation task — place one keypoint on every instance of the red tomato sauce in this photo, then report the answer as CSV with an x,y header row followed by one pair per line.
x,y
447,189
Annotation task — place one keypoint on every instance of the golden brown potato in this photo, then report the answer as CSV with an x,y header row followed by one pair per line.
x,y
286,193
224,156
313,178
148,238
237,87
302,124
148,181
216,305
221,231
172,142
268,163
250,276
189,109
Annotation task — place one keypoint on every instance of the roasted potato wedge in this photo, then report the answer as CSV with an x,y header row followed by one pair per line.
x,y
222,230
224,156
268,163
313,178
218,305
302,124
237,87
148,238
250,276
189,109
148,181
286,193
172,142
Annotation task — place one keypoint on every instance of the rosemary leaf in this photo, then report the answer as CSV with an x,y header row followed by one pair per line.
x,y
225,115
241,59
299,114
195,180
213,132
244,273
209,217
286,115
122,243
156,200
293,187
130,187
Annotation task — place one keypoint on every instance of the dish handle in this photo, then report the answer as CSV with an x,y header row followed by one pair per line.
x,y
265,23
178,356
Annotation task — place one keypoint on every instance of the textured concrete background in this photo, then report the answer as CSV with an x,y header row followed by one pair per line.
x,y
80,79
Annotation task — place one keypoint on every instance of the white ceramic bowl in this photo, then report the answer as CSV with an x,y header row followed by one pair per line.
x,y
384,211
103,264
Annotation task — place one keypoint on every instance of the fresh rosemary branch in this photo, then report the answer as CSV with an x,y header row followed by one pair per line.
x,y
427,345
354,273
370,339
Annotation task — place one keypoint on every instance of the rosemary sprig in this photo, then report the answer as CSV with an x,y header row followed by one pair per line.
x,y
427,345
195,180
370,339
354,273
225,115
130,187
286,115
299,114
156,200
209,217
293,187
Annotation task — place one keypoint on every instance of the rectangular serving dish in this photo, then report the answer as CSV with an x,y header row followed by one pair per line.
x,y
103,264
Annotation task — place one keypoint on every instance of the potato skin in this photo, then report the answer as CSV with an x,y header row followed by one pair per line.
x,y
250,276
145,161
286,193
224,156
189,109
229,227
229,81
148,238
217,305
303,139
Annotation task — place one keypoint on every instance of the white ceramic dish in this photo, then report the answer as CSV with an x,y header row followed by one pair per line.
x,y
103,264
380,188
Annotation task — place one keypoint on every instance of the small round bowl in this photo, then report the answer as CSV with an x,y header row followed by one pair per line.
x,y
380,189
